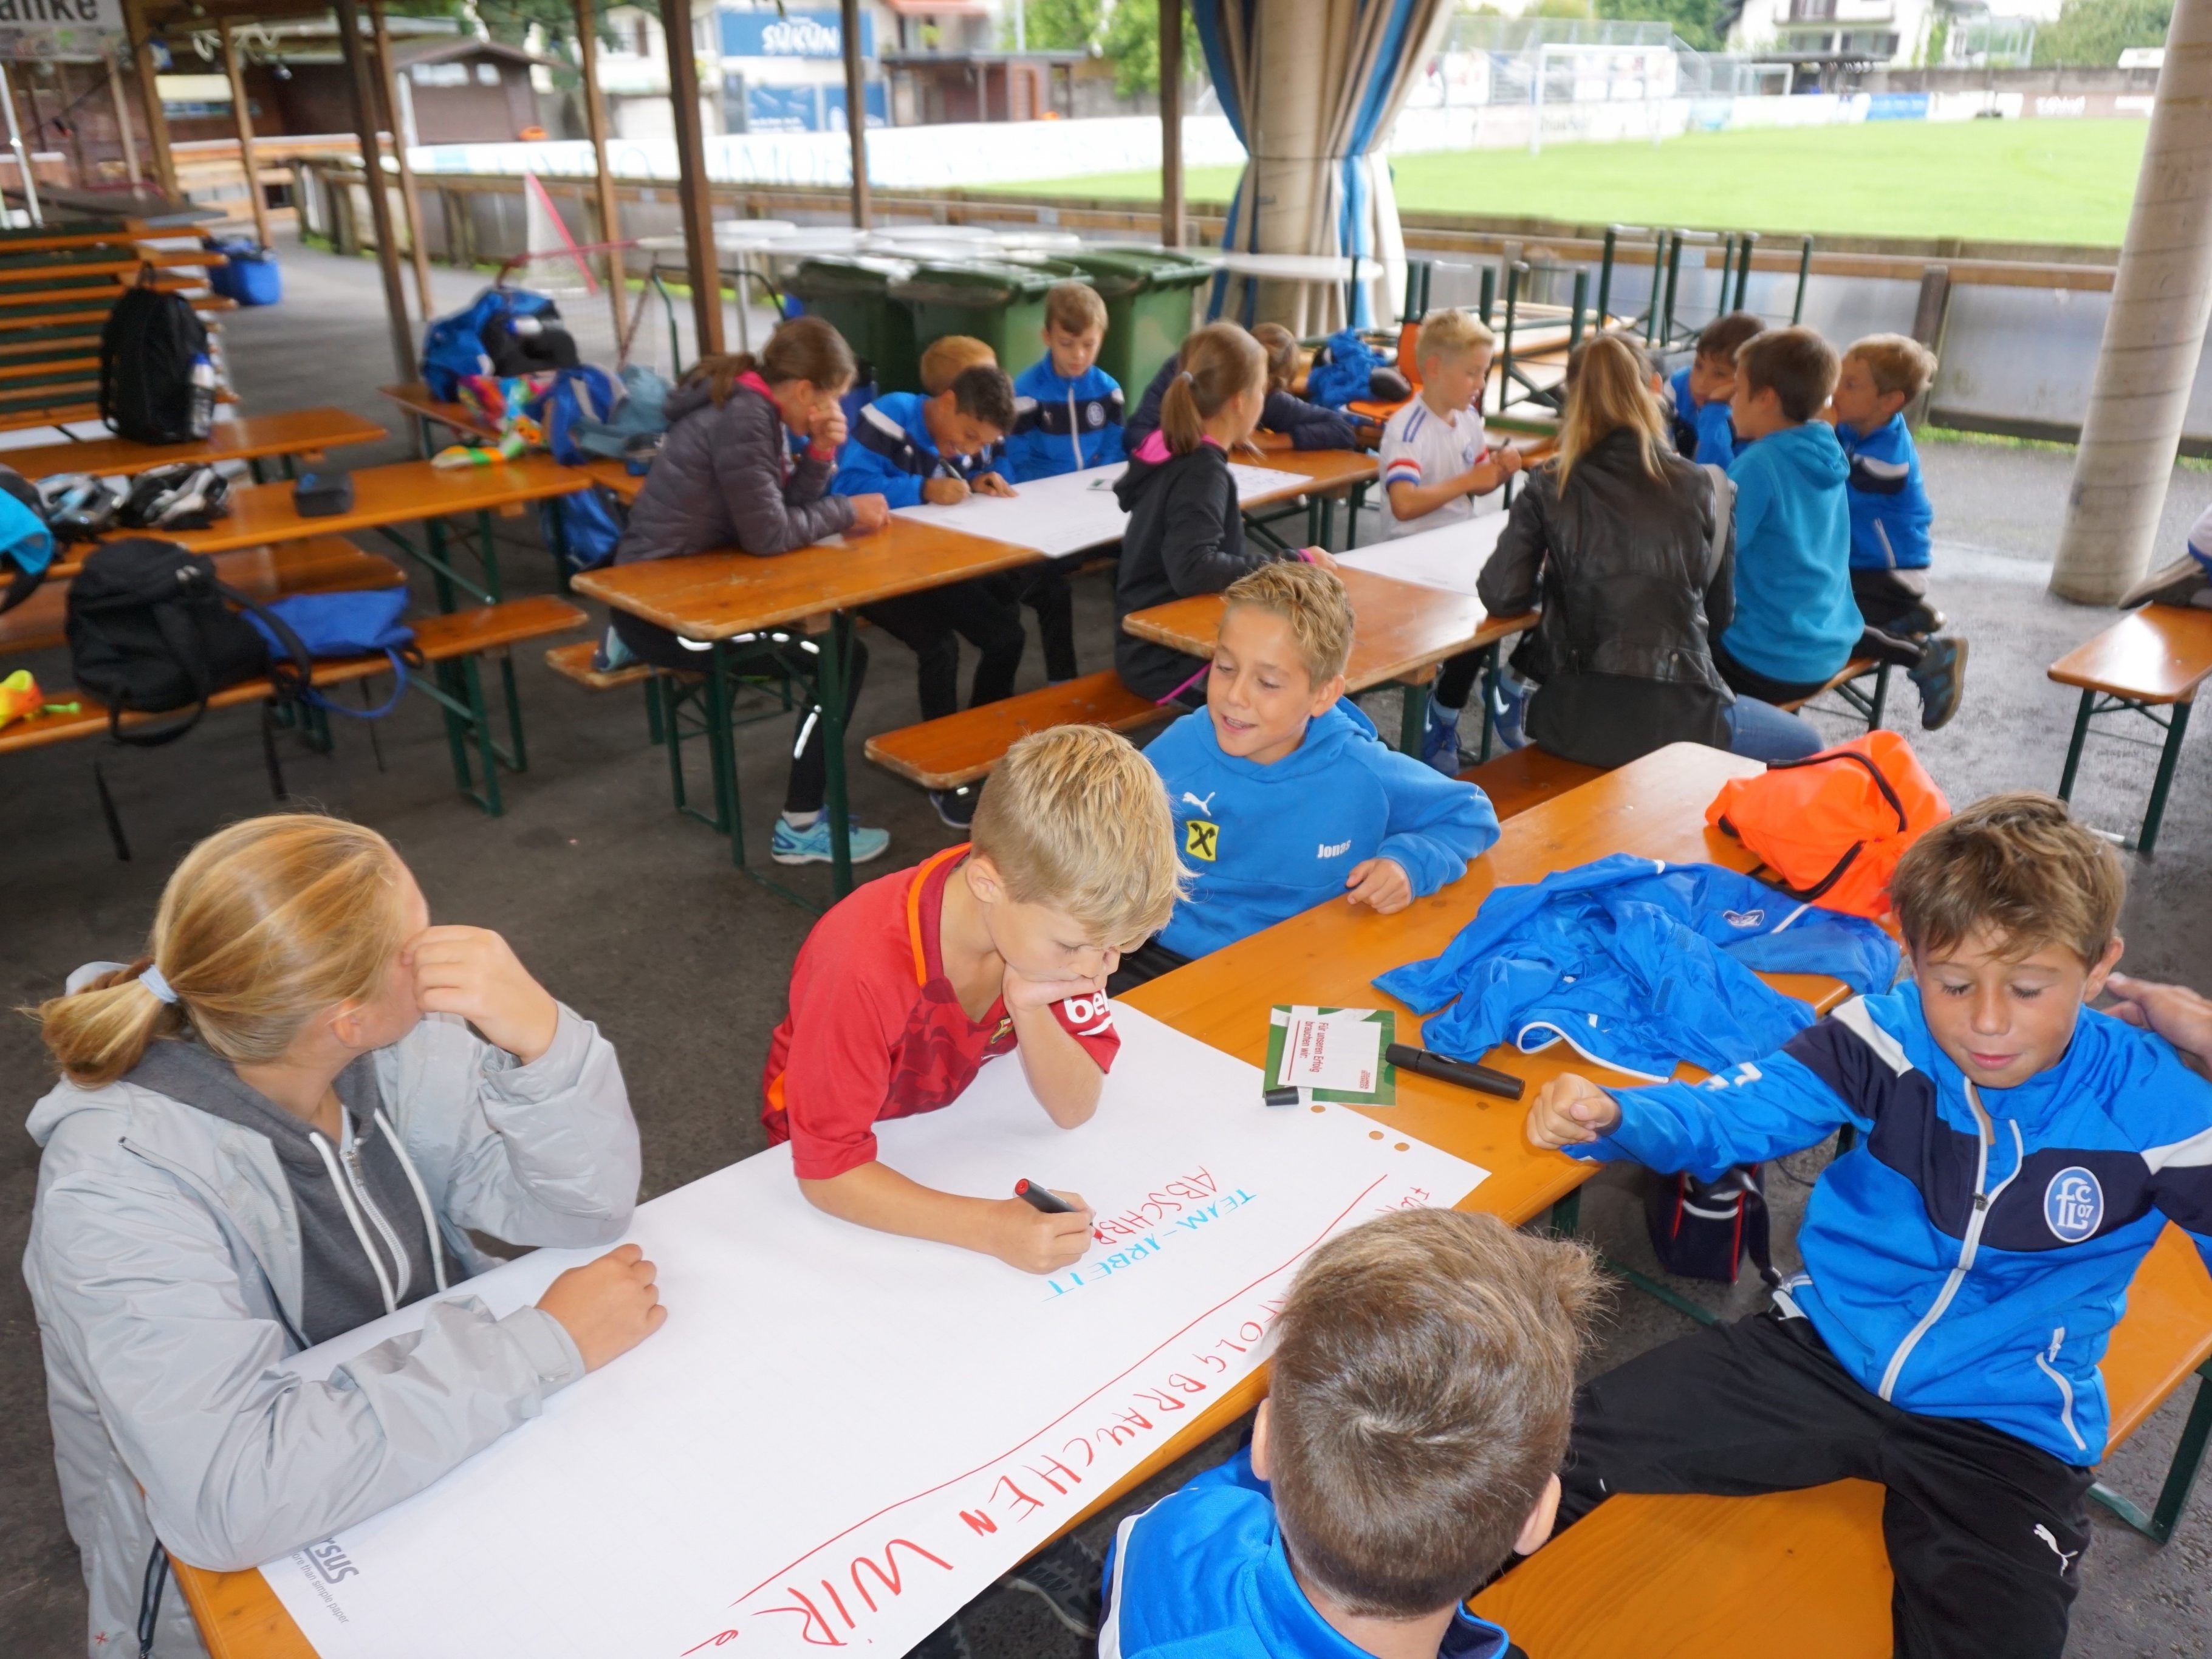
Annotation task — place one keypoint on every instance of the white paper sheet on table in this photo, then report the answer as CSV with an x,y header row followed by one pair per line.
x,y
839,1437
1070,513
1451,557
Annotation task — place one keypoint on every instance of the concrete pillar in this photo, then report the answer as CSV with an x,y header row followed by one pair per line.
x,y
2154,334
1295,81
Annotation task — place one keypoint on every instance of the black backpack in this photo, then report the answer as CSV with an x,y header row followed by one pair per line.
x,y
1708,1228
147,350
149,631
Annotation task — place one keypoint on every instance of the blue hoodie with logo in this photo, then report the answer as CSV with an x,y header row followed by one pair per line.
x,y
1795,620
1269,841
890,454
1063,425
1969,1256
1890,511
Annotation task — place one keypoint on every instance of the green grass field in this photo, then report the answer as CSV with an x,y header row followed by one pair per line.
x,y
2014,181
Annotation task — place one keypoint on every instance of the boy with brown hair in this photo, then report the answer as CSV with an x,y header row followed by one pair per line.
x,y
1795,625
1418,1406
1964,1265
912,981
1882,375
1699,391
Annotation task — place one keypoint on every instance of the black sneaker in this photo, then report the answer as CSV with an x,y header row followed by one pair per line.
x,y
947,1641
1064,1577
955,807
1941,674
1921,621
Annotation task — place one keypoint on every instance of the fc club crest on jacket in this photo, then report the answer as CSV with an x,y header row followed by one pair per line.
x,y
2073,1204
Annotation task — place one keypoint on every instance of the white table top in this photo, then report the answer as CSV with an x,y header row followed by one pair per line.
x,y
1451,557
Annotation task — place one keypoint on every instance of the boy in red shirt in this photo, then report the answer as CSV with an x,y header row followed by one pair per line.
x,y
912,981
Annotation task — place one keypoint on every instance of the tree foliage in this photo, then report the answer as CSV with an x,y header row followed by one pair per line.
x,y
2094,33
1130,38
1698,21
1056,24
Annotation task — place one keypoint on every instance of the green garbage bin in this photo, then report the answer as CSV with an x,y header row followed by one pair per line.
x,y
998,302
853,294
1147,292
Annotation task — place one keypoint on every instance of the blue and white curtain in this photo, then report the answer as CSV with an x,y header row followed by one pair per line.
x,y
1267,59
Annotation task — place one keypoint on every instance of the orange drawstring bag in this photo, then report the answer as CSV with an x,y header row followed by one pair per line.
x,y
1833,826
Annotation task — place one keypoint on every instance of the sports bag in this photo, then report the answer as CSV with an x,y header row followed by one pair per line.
x,y
27,544
1833,826
349,624
575,395
147,351
1707,1229
454,346
149,631
583,526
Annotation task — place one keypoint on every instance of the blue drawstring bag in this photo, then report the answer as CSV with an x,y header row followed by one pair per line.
x,y
577,396
1346,374
583,526
27,546
640,417
347,624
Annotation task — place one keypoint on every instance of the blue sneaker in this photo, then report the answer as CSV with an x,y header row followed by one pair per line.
x,y
612,655
812,844
1506,709
1440,739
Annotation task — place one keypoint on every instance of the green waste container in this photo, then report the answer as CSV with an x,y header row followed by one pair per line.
x,y
1147,292
853,294
998,302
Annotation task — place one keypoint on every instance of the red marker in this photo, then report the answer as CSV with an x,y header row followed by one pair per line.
x,y
1038,1198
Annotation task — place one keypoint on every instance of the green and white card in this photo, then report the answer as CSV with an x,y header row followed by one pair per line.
x,y
1333,1054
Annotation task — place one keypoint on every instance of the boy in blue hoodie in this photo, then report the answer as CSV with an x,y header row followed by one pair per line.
x,y
1795,623
1282,795
1416,1414
909,448
1890,517
1067,417
1698,394
1964,1265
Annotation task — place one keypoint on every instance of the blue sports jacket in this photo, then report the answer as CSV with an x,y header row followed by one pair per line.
x,y
1704,433
1062,425
1638,965
1203,1572
1969,1257
1795,620
1890,509
889,453
1267,842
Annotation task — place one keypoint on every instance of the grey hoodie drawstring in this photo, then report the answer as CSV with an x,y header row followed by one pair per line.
x,y
353,1214
422,1198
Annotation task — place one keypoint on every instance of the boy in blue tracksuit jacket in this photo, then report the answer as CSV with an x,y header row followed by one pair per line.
x,y
1067,417
1795,625
1431,1347
1964,1265
1067,411
1890,518
1699,391
1282,795
909,448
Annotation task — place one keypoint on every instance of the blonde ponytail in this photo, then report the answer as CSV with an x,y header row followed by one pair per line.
x,y
262,926
1221,363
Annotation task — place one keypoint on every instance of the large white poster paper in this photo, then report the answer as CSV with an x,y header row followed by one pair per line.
x,y
1070,513
1449,557
839,1437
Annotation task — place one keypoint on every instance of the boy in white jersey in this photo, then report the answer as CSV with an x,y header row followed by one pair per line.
x,y
1436,459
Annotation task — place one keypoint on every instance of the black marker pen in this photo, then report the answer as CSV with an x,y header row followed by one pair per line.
x,y
1408,1058
1039,1198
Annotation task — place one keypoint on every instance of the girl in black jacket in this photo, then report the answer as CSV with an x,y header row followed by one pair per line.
x,y
725,481
1185,534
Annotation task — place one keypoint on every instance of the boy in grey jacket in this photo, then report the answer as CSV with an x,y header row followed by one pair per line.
x,y
194,1228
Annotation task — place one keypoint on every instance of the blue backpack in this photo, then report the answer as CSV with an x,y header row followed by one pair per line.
x,y
453,346
346,624
583,526
577,396
1346,374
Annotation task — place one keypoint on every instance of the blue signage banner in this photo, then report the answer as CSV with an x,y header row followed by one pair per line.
x,y
793,34
1897,106
808,109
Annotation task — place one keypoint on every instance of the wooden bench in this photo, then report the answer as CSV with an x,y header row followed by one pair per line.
x,y
303,432
1845,683
2154,659
574,662
943,754
328,564
1522,778
1805,1573
450,643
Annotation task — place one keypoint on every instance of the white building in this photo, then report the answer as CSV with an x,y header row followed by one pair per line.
x,y
1823,34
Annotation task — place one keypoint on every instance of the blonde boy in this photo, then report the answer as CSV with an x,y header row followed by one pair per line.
x,y
912,981
1284,797
944,359
1436,459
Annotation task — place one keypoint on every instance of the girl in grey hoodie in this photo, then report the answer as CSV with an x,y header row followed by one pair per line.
x,y
277,1124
